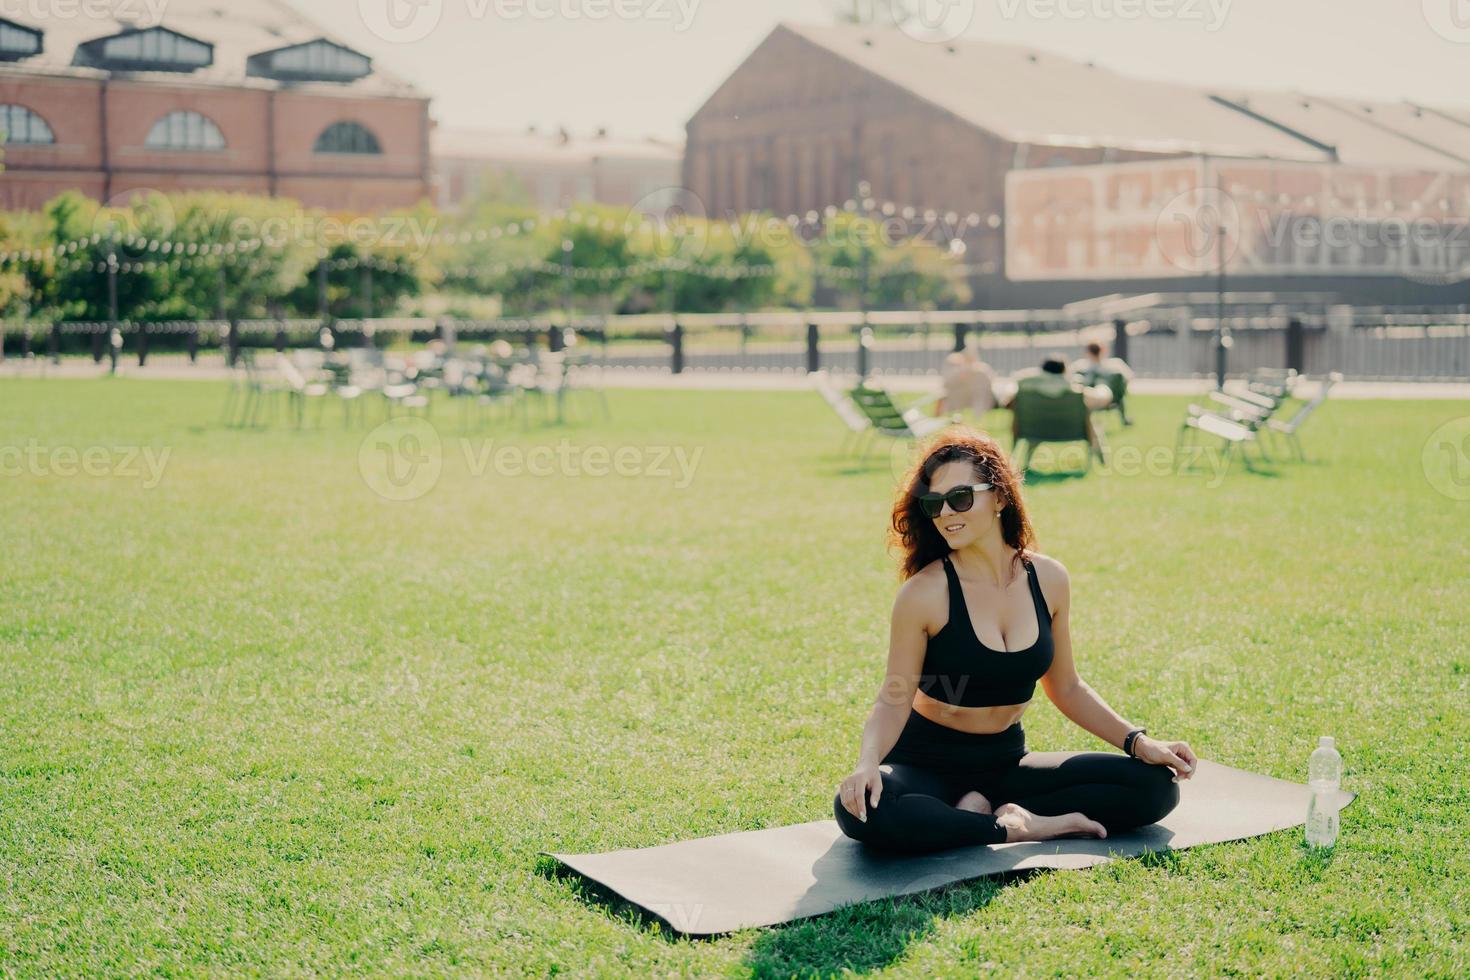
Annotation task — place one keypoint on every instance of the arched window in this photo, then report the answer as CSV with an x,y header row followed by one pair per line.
x,y
21,125
347,137
185,129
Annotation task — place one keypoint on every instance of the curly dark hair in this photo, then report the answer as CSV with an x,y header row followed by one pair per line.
x,y
915,535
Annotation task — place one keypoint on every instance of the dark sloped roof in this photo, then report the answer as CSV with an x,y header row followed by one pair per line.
x,y
236,28
1037,97
1427,128
1363,133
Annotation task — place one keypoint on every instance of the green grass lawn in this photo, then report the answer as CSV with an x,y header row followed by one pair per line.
x,y
259,718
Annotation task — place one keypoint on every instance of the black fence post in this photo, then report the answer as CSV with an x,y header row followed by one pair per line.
x,y
232,343
1223,343
1120,339
553,338
813,348
676,344
142,344
53,344
865,340
1295,347
960,329
193,343
97,341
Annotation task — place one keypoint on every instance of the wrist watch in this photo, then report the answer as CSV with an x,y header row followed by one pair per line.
x,y
1128,741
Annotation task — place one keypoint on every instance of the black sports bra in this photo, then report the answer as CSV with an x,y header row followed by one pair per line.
x,y
959,669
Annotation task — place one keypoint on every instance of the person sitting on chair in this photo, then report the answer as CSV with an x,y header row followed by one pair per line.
x,y
968,382
1052,377
944,761
1093,364
1094,369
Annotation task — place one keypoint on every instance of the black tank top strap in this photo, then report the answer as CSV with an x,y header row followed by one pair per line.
x,y
1043,614
956,597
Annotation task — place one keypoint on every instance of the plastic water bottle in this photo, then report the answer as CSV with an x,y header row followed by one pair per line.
x,y
1324,775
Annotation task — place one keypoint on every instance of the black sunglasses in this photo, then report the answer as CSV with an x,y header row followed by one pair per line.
x,y
960,499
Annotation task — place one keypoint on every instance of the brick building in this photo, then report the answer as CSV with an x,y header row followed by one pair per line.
x,y
245,96
815,110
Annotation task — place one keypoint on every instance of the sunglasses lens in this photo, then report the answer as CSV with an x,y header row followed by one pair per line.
x,y
961,499
931,504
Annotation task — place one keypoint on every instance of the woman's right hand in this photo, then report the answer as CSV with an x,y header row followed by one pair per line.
x,y
855,790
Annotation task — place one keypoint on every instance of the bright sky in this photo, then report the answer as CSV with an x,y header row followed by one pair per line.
x,y
509,63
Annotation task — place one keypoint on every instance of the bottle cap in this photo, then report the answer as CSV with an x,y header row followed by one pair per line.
x,y
1324,742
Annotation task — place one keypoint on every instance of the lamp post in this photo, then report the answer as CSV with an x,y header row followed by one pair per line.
x,y
566,279
1222,333
114,335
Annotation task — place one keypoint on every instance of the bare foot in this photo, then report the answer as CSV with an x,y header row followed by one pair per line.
x,y
975,802
1021,824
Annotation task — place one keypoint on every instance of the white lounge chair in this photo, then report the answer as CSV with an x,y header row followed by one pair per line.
x,y
1288,430
858,424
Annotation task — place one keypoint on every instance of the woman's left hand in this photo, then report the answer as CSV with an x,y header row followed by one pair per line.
x,y
1176,755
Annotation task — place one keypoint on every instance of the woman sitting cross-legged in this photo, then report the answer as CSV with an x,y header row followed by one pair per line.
x,y
944,761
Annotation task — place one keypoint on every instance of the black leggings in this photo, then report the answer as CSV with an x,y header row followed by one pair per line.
x,y
932,766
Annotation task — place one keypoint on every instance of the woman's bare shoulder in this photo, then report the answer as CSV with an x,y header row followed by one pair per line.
x,y
924,594
1052,576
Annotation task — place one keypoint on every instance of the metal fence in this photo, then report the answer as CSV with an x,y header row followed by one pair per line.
x,y
1158,341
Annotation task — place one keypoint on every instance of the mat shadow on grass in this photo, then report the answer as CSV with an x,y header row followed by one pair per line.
x,y
713,885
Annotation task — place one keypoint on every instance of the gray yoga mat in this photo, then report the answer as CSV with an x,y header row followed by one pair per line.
x,y
714,885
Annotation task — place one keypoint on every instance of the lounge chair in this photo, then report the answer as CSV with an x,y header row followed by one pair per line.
x,y
1048,409
302,373
888,420
1117,383
1230,431
858,424
254,392
1288,430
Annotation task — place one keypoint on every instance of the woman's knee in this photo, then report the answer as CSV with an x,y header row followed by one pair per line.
x,y
877,829
860,830
850,825
1160,793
